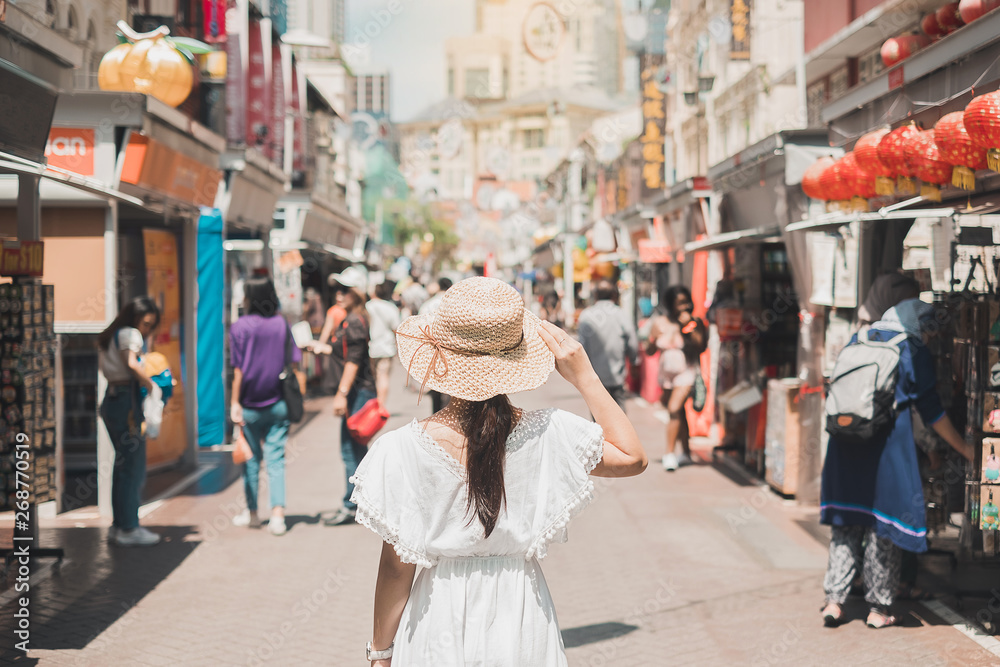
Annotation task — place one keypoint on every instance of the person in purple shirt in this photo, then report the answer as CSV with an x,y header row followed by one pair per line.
x,y
257,345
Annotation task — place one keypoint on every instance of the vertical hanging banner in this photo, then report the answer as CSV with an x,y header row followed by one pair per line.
x,y
298,124
654,124
214,12
258,107
278,103
235,74
739,17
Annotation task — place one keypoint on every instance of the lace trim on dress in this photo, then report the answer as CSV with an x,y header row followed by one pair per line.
x,y
590,456
375,521
557,529
531,423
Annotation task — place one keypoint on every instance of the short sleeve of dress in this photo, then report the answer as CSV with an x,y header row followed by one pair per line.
x,y
573,446
129,339
386,498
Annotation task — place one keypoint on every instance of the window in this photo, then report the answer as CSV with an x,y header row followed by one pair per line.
x,y
534,138
870,66
477,83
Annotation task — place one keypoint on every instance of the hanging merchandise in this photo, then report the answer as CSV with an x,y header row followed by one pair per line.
x,y
927,165
982,121
956,147
892,152
929,24
897,49
866,150
811,179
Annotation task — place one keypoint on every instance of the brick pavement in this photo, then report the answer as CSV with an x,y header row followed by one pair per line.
x,y
688,568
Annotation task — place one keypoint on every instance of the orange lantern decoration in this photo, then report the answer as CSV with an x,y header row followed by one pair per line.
x,y
892,153
835,185
811,178
866,151
982,122
151,63
931,27
927,165
956,147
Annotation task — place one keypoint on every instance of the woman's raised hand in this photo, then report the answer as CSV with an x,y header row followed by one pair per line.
x,y
572,361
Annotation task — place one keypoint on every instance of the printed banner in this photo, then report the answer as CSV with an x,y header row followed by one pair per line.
x,y
214,13
654,123
739,17
278,103
258,98
235,79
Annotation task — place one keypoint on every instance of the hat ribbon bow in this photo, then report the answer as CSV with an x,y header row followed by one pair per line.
x,y
428,338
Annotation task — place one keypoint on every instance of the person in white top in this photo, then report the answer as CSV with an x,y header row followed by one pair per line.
x,y
438,400
383,318
120,346
474,495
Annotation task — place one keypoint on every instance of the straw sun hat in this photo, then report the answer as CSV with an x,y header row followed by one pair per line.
x,y
480,343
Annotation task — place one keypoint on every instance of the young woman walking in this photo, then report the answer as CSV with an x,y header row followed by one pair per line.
x,y
351,369
476,493
677,335
259,343
119,349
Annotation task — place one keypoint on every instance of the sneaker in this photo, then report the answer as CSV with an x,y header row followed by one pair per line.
x,y
112,533
137,537
684,460
669,462
277,525
245,518
343,516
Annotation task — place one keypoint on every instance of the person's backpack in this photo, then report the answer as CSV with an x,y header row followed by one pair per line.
x,y
861,401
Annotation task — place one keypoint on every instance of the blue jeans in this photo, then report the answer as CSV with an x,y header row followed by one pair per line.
x,y
351,451
266,431
122,415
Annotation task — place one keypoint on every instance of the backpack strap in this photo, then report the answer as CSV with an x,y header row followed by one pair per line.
x,y
896,340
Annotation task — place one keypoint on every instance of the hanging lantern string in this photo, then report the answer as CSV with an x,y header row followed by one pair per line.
x,y
886,117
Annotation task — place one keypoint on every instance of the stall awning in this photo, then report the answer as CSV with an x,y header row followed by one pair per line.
x,y
13,164
758,235
832,221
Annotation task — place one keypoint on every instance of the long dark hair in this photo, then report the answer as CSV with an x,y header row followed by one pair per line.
x,y
262,298
129,316
669,298
486,432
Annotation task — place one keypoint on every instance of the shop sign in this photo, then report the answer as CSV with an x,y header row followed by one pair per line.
x,y
739,17
151,165
897,78
298,126
71,149
655,251
278,105
543,32
654,123
22,258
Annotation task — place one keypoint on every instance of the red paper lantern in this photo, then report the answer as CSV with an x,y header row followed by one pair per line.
x,y
834,184
897,49
926,163
982,121
949,17
956,147
892,153
811,178
866,151
860,182
931,27
970,10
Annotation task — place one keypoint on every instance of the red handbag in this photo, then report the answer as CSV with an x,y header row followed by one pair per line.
x,y
366,422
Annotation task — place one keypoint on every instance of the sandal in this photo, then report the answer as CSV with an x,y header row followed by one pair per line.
x,y
832,615
878,620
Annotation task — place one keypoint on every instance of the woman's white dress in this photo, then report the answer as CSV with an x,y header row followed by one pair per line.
x,y
475,600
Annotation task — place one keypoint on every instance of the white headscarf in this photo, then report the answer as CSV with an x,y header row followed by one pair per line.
x,y
907,315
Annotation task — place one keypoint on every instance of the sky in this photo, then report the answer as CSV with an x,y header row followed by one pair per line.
x,y
409,43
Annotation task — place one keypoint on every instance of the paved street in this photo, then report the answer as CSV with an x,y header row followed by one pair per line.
x,y
691,568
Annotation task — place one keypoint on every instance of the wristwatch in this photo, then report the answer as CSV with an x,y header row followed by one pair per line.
x,y
378,655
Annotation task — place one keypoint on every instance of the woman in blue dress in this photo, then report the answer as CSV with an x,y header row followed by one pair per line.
x,y
872,495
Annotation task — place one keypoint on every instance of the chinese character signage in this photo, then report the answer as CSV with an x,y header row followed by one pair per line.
x,y
739,17
654,124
